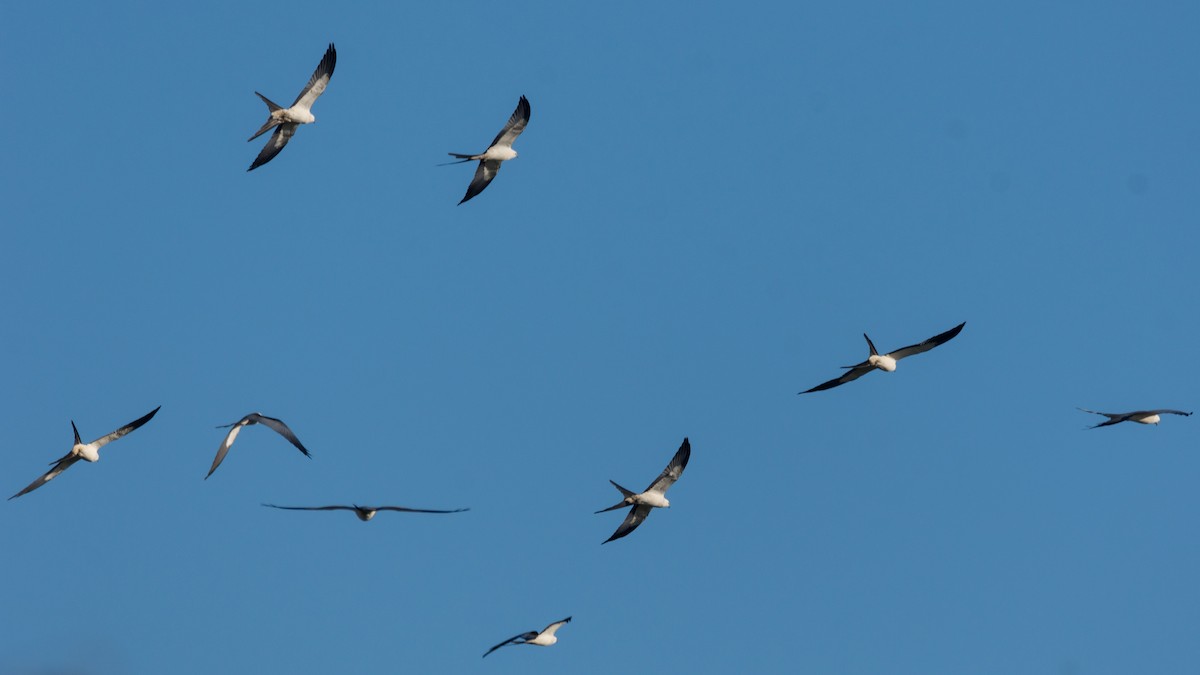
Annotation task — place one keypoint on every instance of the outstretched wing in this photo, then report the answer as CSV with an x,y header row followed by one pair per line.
x,y
514,127
225,445
283,134
405,509
1163,412
281,429
552,628
925,346
853,373
335,507
319,80
671,474
483,176
59,467
513,640
636,515
105,440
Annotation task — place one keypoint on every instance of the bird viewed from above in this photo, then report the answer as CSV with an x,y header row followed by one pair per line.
x,y
544,638
500,150
85,451
652,497
886,362
253,418
364,513
286,120
1139,416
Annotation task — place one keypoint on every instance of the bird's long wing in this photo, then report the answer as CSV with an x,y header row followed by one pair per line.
x,y
671,474
59,467
483,176
283,134
105,440
925,346
405,509
552,628
319,80
514,127
636,515
335,507
523,636
851,374
281,429
225,445
1165,411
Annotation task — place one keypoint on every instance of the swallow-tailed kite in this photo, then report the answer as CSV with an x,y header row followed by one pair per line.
x,y
499,151
364,513
87,451
542,639
285,120
253,418
886,361
1140,416
653,497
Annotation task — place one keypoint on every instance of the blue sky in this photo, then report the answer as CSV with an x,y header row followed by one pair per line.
x,y
711,205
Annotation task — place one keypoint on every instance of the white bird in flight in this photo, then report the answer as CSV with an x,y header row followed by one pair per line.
x,y
285,120
653,496
543,639
1140,416
85,451
887,362
364,513
253,418
499,151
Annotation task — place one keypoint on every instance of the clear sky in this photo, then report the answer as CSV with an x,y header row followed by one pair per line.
x,y
712,203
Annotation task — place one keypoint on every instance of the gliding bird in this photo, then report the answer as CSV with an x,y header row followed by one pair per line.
x,y
887,361
364,513
86,451
285,120
499,151
653,496
253,418
542,639
1140,416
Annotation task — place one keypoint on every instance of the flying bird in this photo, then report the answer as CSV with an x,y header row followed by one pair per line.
x,y
285,120
364,513
253,418
653,496
542,639
1140,416
499,151
86,451
886,361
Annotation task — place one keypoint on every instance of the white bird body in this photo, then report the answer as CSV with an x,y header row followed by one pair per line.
x,y
500,153
89,452
883,362
1150,419
651,498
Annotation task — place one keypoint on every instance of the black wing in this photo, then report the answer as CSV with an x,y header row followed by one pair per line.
x,y
940,338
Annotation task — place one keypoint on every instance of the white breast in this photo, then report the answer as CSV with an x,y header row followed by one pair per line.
x,y
655,499
883,362
88,452
500,152
1151,419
